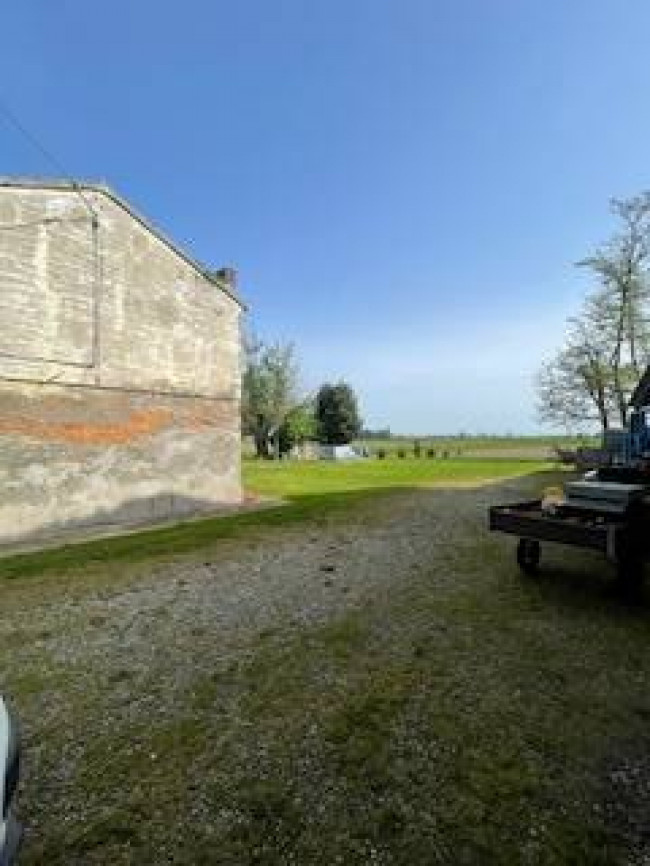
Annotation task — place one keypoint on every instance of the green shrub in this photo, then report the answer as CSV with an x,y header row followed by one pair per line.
x,y
401,453
381,453
417,448
431,453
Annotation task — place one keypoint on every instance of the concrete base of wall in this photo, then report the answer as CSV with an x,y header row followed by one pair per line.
x,y
98,531
81,457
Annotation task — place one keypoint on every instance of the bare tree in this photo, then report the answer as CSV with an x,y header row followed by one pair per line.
x,y
608,345
622,302
575,387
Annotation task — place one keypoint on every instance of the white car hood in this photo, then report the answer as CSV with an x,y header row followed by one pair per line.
x,y
4,756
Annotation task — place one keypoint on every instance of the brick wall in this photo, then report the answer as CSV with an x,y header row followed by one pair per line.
x,y
119,369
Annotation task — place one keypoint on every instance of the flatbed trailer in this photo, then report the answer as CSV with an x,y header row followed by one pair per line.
x,y
623,536
608,510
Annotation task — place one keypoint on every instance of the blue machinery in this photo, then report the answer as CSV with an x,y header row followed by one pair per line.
x,y
636,439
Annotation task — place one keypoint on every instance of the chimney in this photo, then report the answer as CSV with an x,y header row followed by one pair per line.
x,y
228,276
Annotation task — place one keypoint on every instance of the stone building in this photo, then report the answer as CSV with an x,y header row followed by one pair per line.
x,y
119,366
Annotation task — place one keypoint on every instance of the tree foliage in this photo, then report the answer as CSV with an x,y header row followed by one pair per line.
x,y
337,414
574,388
608,344
269,391
299,426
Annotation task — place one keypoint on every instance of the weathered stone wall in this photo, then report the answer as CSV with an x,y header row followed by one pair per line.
x,y
46,283
119,369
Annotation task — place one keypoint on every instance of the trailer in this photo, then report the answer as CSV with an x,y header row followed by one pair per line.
x,y
608,510
598,513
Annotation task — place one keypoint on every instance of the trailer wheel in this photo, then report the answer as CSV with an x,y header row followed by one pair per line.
x,y
528,555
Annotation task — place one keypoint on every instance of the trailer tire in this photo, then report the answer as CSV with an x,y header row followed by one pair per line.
x,y
529,553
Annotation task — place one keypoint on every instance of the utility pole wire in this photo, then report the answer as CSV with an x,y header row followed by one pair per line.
x,y
12,120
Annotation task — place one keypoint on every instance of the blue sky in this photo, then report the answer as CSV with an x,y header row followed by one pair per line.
x,y
404,185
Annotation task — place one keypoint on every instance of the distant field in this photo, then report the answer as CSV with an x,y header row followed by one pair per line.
x,y
513,447
502,447
300,478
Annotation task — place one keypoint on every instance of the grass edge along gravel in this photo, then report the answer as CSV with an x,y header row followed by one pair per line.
x,y
304,502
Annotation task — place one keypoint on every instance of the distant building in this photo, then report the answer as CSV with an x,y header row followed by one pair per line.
x,y
341,452
119,366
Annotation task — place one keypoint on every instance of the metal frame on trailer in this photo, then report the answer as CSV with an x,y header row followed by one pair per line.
x,y
621,538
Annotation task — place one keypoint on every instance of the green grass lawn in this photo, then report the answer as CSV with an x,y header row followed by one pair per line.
x,y
299,478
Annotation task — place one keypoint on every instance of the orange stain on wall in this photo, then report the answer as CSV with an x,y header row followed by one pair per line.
x,y
138,424
199,422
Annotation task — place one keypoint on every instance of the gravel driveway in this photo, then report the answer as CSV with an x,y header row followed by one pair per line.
x,y
98,662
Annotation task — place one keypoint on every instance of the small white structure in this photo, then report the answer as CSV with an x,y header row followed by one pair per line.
x,y
340,452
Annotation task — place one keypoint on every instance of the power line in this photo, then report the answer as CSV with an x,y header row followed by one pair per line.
x,y
98,275
11,118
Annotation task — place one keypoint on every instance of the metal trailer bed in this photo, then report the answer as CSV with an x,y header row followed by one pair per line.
x,y
623,536
607,510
